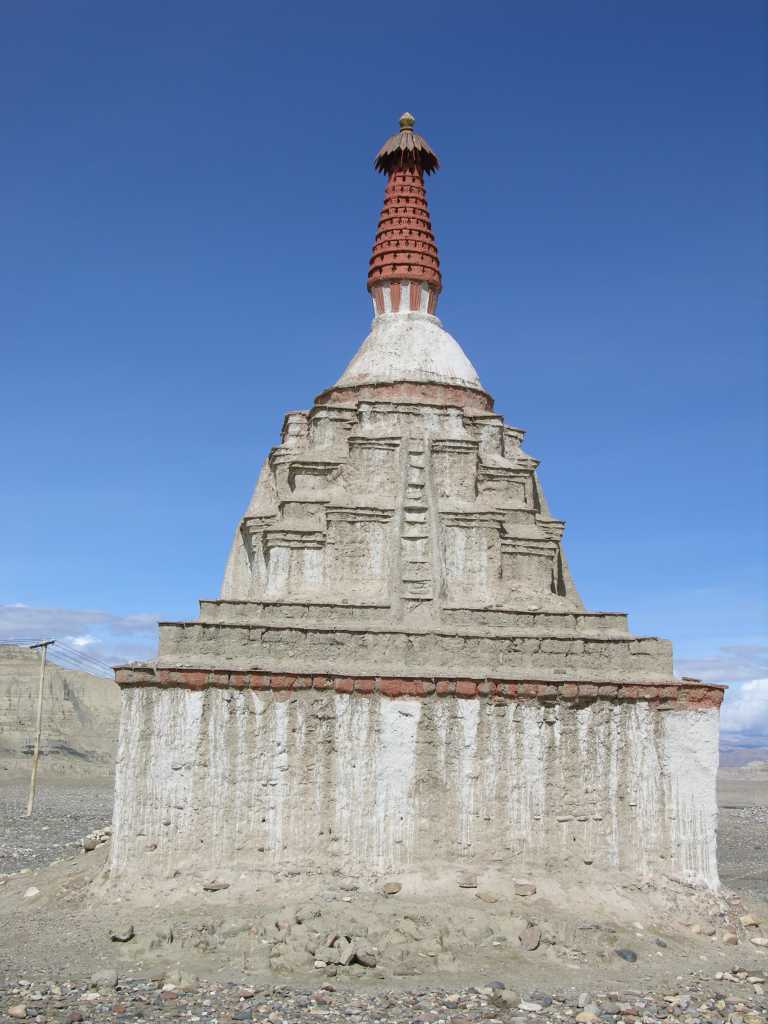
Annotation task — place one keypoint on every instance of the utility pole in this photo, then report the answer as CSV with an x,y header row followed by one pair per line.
x,y
45,644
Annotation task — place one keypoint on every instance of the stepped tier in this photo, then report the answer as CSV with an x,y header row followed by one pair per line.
x,y
405,539
399,673
411,506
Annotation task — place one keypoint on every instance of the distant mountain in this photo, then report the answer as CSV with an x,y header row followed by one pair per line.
x,y
81,713
737,750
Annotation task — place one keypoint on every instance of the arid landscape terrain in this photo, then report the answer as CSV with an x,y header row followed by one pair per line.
x,y
409,948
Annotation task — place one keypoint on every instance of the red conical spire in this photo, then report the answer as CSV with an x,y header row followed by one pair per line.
x,y
404,271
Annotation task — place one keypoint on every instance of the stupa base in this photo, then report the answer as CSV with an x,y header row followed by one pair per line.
x,y
234,771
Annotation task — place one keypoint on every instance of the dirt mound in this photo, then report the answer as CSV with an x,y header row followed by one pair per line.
x,y
66,919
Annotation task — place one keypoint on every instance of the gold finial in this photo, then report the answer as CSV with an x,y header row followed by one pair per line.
x,y
406,148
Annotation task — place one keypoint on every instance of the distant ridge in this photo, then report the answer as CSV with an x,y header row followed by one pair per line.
x,y
80,720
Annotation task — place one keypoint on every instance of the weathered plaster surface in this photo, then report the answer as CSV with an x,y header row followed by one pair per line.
x,y
245,781
367,649
409,506
400,673
409,346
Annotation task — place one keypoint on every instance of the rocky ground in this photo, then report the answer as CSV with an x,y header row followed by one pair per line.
x,y
743,837
145,999
64,811
72,950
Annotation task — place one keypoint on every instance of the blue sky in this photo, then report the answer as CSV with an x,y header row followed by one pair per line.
x,y
188,204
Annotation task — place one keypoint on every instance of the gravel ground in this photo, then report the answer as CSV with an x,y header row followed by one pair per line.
x,y
743,850
64,812
701,1000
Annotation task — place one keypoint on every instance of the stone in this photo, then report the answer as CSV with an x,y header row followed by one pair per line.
x,y
104,979
18,1011
587,1017
391,888
541,997
326,955
163,935
530,938
89,844
525,889
122,933
467,881
486,897
530,1007
703,929
758,940
365,957
507,997
215,886
31,892
626,954
730,938
305,914
345,952
749,921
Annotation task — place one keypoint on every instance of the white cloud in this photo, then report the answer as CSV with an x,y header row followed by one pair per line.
x,y
745,710
113,639
733,664
81,641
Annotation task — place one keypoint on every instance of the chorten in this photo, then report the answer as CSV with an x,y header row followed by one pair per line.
x,y
399,673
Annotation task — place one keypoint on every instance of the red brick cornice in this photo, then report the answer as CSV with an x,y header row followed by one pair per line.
x,y
676,694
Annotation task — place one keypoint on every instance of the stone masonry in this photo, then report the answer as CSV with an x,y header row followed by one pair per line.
x,y
399,672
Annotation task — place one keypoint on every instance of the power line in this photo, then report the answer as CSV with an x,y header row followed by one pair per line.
x,y
65,656
70,659
84,656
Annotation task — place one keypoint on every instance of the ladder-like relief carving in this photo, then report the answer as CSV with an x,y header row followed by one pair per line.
x,y
416,577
